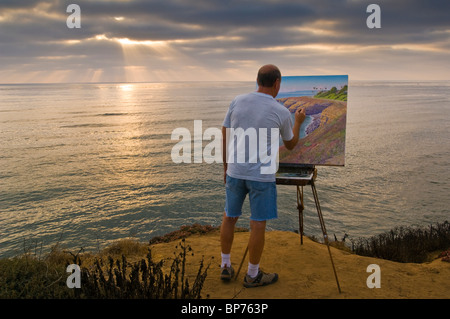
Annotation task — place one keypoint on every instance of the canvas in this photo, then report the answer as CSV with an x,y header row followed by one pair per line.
x,y
322,134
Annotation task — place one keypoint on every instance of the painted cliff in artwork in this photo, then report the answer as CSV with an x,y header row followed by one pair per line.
x,y
322,134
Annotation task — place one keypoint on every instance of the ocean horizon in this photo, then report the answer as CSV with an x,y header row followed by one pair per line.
x,y
86,164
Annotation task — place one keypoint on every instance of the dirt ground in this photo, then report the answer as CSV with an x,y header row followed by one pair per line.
x,y
305,271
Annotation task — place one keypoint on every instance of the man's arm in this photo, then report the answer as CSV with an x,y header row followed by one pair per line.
x,y
224,153
299,118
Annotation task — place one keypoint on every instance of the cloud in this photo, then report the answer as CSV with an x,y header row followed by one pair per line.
x,y
222,39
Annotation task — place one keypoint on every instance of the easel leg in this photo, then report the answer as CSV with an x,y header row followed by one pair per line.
x,y
242,261
300,207
324,231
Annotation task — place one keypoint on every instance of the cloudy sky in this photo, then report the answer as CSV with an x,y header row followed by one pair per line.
x,y
183,40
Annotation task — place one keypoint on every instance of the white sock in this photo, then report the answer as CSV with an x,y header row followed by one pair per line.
x,y
252,270
225,260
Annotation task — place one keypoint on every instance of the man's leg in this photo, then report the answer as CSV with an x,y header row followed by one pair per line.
x,y
256,241
227,233
263,207
236,192
226,242
255,277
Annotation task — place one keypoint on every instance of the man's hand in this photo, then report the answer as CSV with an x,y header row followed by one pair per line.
x,y
300,115
224,153
225,173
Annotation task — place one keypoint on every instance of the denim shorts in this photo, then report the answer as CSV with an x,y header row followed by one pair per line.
x,y
262,196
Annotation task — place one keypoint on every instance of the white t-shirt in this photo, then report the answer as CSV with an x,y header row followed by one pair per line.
x,y
255,122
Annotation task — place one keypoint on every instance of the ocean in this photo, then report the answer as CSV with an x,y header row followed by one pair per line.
x,y
83,165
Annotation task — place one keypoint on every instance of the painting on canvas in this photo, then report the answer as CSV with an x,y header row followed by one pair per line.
x,y
322,134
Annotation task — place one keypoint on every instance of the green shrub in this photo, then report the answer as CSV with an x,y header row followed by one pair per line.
x,y
108,276
27,277
406,244
145,279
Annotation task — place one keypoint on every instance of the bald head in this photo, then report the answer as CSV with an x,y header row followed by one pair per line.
x,y
267,75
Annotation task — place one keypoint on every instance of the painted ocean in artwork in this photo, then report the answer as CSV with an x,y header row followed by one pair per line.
x,y
322,135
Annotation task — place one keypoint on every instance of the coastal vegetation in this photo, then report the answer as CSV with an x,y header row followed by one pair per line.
x,y
333,94
117,272
406,244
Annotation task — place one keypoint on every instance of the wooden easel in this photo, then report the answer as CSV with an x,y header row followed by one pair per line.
x,y
303,175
